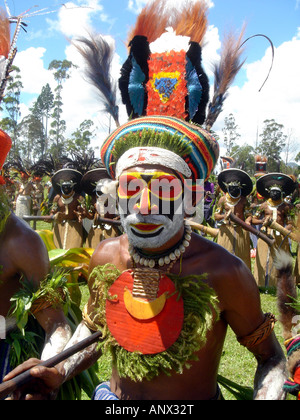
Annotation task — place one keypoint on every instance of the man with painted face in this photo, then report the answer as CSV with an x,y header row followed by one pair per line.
x,y
274,187
145,285
237,185
68,232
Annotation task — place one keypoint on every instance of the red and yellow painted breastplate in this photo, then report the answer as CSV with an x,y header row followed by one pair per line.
x,y
144,312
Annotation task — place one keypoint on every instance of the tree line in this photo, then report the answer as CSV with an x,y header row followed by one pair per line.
x,y
275,143
42,131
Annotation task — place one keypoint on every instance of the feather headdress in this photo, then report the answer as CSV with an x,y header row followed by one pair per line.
x,y
147,24
98,54
163,74
4,34
8,45
6,57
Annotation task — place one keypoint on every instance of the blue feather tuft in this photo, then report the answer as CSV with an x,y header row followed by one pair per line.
x,y
194,88
136,88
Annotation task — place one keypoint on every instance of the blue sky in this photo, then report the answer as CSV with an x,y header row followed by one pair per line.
x,y
45,40
279,19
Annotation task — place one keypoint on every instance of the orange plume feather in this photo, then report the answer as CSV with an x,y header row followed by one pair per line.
x,y
192,21
151,22
4,34
230,63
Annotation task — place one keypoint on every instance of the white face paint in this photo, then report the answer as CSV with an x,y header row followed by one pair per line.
x,y
151,207
151,231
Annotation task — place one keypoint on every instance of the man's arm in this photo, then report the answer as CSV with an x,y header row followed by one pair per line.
x,y
219,213
32,262
51,379
242,310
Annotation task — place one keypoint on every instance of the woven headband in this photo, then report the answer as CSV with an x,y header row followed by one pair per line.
x,y
152,156
203,151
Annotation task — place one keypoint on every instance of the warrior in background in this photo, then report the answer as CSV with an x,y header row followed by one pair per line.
x,y
274,187
237,185
66,209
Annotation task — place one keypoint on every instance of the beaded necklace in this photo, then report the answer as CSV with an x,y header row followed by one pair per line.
x,y
231,201
167,258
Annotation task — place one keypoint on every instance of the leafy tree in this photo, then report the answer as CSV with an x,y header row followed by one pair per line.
x,y
244,158
272,143
231,135
81,138
12,107
31,132
44,105
58,126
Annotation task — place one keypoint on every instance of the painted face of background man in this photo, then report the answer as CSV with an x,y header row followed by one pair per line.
x,y
67,188
234,191
150,206
275,194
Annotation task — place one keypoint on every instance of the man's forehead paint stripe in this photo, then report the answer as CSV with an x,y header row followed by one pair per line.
x,y
153,172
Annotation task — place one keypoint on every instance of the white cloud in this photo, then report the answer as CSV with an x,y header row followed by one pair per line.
x,y
34,74
212,45
279,99
75,19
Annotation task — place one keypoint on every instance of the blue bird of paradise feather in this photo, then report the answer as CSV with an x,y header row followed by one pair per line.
x,y
136,88
194,88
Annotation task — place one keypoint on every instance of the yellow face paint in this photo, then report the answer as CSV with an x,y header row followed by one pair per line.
x,y
162,185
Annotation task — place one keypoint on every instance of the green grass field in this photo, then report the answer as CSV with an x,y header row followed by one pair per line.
x,y
237,363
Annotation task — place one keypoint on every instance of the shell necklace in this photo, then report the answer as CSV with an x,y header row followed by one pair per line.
x,y
67,200
167,258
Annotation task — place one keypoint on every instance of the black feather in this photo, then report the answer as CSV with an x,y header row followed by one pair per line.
x,y
98,54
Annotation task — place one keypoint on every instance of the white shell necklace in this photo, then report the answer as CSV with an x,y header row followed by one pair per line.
x,y
171,256
68,200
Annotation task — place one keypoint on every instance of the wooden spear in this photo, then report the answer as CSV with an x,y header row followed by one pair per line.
x,y
7,388
250,228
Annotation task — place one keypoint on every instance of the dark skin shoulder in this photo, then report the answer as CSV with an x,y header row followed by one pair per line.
x,y
238,209
23,254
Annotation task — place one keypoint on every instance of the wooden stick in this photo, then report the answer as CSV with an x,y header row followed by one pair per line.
x,y
52,218
251,229
285,232
207,230
38,218
6,388
110,221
